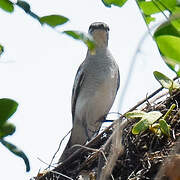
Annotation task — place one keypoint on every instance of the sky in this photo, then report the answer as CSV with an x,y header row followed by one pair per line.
x,y
39,64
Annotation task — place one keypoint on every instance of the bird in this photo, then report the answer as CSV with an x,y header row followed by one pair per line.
x,y
95,87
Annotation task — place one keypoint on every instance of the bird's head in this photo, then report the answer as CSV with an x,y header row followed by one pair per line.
x,y
100,33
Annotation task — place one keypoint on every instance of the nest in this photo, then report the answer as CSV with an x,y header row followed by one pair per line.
x,y
145,153
140,156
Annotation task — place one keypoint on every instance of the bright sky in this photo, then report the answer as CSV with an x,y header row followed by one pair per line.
x,y
39,65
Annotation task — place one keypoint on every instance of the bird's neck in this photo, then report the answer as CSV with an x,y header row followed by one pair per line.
x,y
101,44
97,50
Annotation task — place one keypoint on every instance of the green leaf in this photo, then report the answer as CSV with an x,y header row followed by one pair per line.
x,y
169,48
175,20
165,81
141,126
7,109
165,128
149,19
152,116
88,41
6,5
147,120
17,152
176,9
53,20
1,49
156,6
24,5
7,129
135,114
119,3
166,28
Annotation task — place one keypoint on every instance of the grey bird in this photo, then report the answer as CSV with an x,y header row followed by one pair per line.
x,y
95,88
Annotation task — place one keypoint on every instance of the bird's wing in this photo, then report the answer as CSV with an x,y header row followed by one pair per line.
x,y
76,88
118,81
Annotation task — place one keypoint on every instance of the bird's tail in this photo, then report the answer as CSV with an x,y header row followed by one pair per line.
x,y
66,153
78,136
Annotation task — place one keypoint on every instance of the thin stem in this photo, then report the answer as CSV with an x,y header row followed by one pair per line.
x,y
144,18
160,8
169,111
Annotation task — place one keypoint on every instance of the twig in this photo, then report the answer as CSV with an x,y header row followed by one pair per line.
x,y
114,148
45,163
55,172
58,149
149,97
85,147
144,100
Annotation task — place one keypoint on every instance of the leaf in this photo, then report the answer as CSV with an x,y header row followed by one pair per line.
x,y
7,129
156,6
17,152
7,109
169,48
135,114
24,5
169,111
1,49
53,20
119,3
88,41
152,116
169,28
155,128
165,81
147,120
166,28
141,126
165,128
149,19
175,20
7,5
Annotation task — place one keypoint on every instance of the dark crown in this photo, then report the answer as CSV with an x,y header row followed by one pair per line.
x,y
98,25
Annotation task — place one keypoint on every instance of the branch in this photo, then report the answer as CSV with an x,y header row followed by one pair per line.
x,y
116,148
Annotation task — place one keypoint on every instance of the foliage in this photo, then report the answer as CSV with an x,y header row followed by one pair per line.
x,y
148,120
119,3
166,82
18,152
24,5
1,49
7,108
7,5
166,36
53,20
81,36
